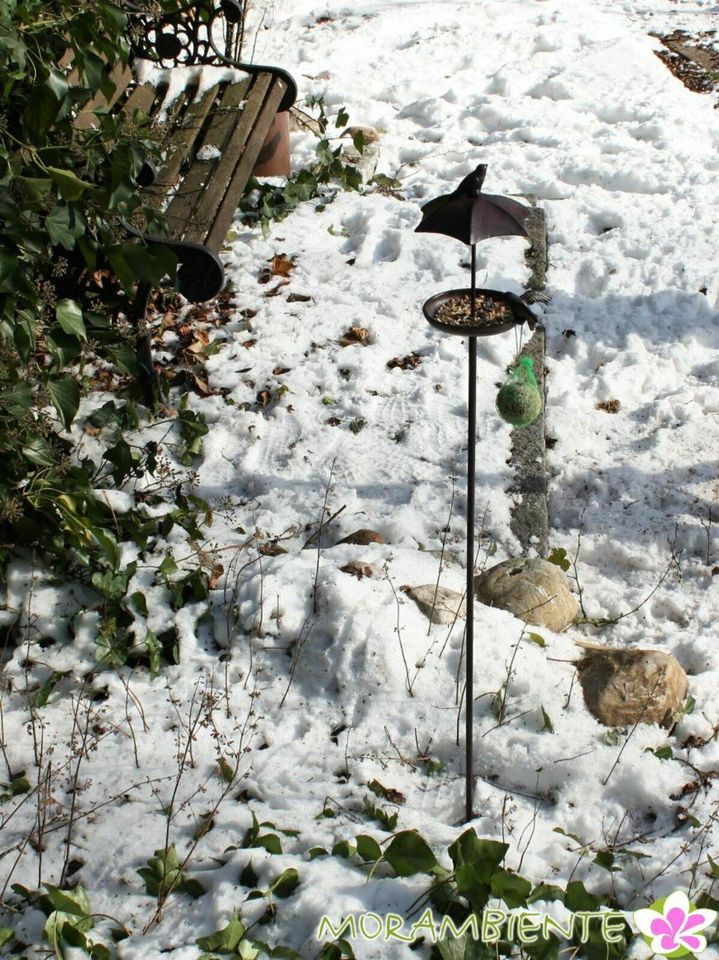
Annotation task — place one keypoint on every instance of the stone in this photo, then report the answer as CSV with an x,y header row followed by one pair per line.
x,y
624,687
358,569
369,134
448,606
534,590
363,537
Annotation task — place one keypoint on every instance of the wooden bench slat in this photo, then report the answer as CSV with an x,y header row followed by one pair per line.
x,y
225,186
182,210
185,121
253,136
121,76
142,98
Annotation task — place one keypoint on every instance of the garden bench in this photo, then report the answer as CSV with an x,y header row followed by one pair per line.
x,y
212,141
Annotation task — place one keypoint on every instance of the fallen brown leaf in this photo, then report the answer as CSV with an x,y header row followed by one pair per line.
x,y
409,362
270,549
217,571
203,387
355,335
281,265
275,291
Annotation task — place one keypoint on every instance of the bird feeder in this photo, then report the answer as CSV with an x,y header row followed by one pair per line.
x,y
468,215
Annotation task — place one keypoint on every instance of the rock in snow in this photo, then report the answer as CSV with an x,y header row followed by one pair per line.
x,y
444,607
536,591
363,537
625,686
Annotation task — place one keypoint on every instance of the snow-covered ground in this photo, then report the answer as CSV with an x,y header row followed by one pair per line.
x,y
566,102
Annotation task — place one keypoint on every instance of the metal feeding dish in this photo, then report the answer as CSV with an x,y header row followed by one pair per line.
x,y
495,312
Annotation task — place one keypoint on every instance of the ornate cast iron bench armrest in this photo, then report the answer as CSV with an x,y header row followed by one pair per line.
x,y
187,35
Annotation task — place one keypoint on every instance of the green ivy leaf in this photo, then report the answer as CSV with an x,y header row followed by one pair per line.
x,y
139,602
368,848
454,948
281,952
226,939
315,852
409,853
63,227
18,399
558,557
71,187
65,395
193,888
547,723
510,887
42,696
546,891
37,451
149,263
121,457
482,856
39,113
69,316
577,898
64,349
125,359
162,872
75,902
269,841
344,849
8,267
286,884
19,785
154,651
605,860
227,771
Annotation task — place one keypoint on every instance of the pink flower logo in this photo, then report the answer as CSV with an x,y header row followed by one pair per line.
x,y
671,925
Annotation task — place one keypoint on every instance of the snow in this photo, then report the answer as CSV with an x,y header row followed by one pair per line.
x,y
568,104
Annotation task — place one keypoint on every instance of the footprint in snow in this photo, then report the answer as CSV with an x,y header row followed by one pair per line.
x,y
389,247
358,226
550,89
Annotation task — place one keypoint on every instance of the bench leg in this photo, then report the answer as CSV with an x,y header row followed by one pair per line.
x,y
147,377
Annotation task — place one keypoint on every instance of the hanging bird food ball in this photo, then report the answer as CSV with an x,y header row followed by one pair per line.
x,y
519,400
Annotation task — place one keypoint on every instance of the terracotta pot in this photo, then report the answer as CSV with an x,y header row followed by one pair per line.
x,y
273,159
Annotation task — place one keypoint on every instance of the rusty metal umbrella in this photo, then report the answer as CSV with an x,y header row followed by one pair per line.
x,y
469,215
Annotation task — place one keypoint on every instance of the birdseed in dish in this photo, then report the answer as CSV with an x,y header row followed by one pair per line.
x,y
489,312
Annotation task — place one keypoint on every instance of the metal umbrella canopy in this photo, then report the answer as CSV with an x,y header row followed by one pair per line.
x,y
469,215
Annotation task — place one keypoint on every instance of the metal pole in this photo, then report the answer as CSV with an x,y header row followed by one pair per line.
x,y
472,438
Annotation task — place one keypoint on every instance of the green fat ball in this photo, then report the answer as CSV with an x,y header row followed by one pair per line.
x,y
519,401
